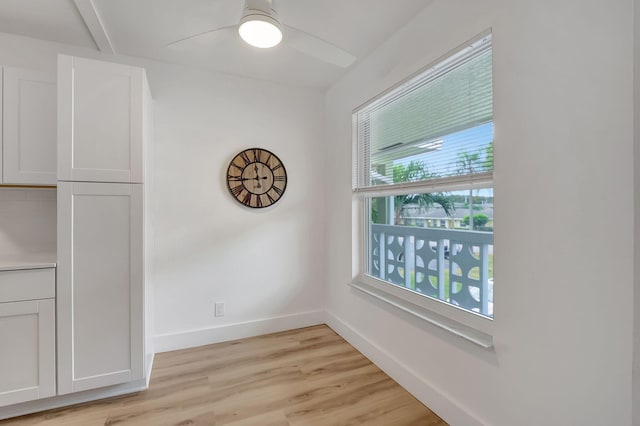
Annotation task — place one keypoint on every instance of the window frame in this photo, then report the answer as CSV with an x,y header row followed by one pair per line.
x,y
469,325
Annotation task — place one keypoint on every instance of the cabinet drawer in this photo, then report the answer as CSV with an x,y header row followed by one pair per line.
x,y
27,284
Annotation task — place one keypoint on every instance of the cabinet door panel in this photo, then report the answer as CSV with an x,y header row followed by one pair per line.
x,y
29,127
100,284
100,121
27,333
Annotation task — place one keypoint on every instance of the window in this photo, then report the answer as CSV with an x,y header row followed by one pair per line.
x,y
424,177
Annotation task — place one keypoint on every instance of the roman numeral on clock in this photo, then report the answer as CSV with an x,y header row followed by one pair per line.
x,y
247,198
245,158
237,190
271,199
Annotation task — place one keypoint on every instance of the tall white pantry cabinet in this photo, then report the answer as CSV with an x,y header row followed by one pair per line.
x,y
104,134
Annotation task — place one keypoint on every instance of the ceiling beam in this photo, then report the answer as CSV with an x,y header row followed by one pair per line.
x,y
92,20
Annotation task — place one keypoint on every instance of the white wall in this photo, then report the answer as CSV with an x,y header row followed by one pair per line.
x,y
265,265
636,158
27,221
261,263
564,217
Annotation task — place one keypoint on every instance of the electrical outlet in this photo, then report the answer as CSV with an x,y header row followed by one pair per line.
x,y
219,309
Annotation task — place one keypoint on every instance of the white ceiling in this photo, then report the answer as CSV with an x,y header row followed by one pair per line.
x,y
143,28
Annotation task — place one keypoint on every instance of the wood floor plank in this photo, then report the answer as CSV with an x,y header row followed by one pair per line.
x,y
309,376
272,418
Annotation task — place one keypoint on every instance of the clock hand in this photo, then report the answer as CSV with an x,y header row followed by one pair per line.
x,y
258,178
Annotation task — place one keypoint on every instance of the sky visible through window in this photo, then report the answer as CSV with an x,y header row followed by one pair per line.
x,y
475,139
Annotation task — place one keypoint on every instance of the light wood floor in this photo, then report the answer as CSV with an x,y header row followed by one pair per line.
x,y
309,376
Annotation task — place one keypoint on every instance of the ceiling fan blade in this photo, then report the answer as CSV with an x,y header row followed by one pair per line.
x,y
173,43
317,48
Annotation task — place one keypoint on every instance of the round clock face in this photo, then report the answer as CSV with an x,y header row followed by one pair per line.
x,y
256,178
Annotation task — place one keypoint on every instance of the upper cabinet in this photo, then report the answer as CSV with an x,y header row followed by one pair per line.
x,y
102,108
29,127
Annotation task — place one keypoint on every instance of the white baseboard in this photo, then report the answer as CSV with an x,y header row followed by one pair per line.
x,y
440,403
71,399
150,357
223,333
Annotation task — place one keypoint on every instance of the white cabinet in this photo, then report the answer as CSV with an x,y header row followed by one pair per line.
x,y
100,285
28,127
27,335
104,131
101,115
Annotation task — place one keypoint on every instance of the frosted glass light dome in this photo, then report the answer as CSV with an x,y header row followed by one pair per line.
x,y
260,30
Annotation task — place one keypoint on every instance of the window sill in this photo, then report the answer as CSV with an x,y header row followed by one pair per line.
x,y
466,332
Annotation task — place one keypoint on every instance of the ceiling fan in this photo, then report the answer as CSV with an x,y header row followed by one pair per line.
x,y
261,27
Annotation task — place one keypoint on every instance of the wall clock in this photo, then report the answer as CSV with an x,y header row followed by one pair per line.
x,y
256,178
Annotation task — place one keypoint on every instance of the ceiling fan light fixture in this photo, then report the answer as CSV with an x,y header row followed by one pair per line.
x,y
260,29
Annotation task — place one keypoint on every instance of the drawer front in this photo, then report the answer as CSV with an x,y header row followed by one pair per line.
x,y
27,284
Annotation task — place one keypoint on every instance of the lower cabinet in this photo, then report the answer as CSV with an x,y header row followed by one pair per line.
x,y
84,328
27,335
100,285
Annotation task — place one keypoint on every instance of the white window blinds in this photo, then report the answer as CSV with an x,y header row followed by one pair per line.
x,y
439,118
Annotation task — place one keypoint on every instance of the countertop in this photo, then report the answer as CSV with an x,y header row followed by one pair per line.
x,y
27,261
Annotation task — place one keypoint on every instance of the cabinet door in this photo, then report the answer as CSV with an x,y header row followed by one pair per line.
x,y
100,121
27,333
29,127
99,285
